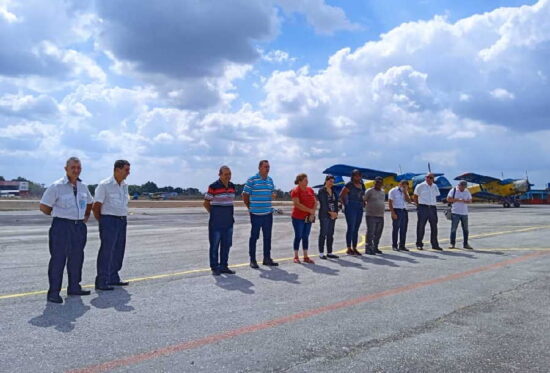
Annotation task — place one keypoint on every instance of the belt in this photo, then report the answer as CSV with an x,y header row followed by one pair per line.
x,y
421,204
395,208
70,220
116,216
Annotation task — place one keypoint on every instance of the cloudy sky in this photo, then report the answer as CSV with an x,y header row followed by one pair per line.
x,y
180,87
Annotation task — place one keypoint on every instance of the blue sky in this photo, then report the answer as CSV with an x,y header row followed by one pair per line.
x,y
181,87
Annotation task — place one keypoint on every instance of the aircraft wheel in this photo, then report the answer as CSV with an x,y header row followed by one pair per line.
x,y
506,205
516,204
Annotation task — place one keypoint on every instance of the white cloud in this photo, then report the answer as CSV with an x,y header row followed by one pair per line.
x,y
325,19
502,94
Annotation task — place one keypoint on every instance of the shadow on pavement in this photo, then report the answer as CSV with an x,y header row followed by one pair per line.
x,y
61,316
424,256
376,259
348,264
117,299
398,258
234,282
317,268
278,274
448,252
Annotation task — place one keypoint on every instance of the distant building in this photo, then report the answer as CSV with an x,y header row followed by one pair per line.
x,y
536,197
14,188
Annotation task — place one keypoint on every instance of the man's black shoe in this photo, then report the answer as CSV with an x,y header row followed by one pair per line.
x,y
403,249
55,298
216,272
370,252
395,248
377,251
270,262
254,264
227,271
419,248
104,287
438,248
120,283
332,256
322,256
79,292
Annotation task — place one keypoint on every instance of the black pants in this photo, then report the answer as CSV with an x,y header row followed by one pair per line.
x,y
426,214
326,233
399,226
67,239
375,226
112,232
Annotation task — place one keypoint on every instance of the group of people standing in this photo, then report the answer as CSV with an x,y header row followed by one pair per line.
x,y
70,203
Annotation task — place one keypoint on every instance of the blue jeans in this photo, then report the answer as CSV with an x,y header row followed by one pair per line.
x,y
400,228
463,220
220,239
112,233
301,233
67,240
326,233
354,216
265,223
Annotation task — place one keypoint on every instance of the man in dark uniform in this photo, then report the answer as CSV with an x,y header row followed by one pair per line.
x,y
218,201
69,201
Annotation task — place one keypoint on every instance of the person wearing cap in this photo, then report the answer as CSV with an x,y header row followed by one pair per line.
x,y
303,215
111,210
218,201
375,206
69,202
425,198
398,197
258,193
352,200
328,213
459,197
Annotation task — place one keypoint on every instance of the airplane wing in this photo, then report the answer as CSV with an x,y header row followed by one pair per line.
x,y
476,178
486,195
345,170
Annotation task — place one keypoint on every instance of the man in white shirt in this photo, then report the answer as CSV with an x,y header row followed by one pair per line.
x,y
425,199
110,210
398,198
459,197
69,202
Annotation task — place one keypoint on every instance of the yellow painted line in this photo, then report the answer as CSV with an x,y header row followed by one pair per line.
x,y
203,270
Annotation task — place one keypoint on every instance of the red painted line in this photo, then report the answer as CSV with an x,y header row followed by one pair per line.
x,y
135,359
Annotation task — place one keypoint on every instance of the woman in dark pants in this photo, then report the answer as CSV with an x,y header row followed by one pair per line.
x,y
328,213
352,199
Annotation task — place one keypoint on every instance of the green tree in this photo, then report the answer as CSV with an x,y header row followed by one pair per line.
x,y
149,187
92,188
2,178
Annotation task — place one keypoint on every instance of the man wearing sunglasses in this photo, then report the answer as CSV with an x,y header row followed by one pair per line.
x,y
425,198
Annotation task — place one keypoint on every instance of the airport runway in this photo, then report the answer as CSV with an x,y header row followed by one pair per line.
x,y
486,310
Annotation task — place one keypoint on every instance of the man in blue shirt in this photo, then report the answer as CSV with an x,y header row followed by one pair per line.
x,y
257,195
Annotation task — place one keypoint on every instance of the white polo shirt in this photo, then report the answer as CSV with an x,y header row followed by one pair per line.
x,y
396,196
427,194
113,197
61,198
459,208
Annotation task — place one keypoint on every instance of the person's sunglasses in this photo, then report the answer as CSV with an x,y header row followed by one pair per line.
x,y
430,177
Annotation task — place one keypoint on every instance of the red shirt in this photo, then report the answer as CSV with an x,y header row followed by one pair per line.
x,y
306,198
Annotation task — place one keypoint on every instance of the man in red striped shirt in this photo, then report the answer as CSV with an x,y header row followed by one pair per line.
x,y
218,201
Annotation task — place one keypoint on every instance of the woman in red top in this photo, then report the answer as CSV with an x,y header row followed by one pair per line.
x,y
305,204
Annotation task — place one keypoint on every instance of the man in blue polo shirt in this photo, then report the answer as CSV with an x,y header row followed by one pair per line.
x,y
257,195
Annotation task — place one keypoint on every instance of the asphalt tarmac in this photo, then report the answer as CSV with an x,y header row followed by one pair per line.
x,y
486,310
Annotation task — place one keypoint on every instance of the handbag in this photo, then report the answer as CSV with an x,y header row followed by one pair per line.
x,y
448,211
